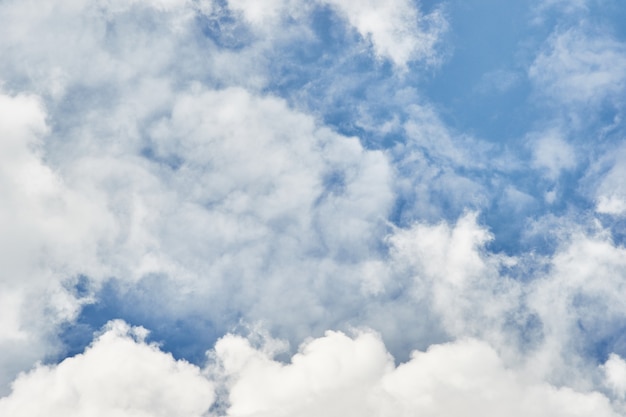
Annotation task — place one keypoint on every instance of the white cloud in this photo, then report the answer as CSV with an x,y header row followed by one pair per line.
x,y
139,167
118,375
265,205
337,375
114,46
334,375
579,66
552,153
615,375
397,29
49,235
607,177
260,181
578,301
220,192
264,12
611,204
263,196
549,318
455,274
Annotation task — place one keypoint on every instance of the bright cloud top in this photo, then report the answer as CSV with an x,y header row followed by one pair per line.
x,y
118,375
334,375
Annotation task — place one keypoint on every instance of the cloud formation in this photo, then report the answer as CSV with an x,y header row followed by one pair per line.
x,y
119,374
335,375
318,171
341,376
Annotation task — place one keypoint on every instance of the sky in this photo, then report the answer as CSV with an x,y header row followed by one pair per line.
x,y
256,208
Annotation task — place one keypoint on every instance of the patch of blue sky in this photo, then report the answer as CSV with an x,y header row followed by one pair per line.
x,y
185,336
481,88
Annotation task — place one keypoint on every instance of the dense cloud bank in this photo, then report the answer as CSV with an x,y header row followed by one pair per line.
x,y
336,375
278,207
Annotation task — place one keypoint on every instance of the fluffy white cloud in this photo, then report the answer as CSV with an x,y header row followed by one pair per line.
x,y
615,375
255,181
337,375
76,48
50,234
215,190
611,204
550,317
118,375
455,274
143,175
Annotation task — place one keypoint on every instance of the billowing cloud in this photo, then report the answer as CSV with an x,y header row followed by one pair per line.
x,y
337,375
48,237
119,374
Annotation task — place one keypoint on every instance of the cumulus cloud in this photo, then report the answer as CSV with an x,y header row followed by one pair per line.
x,y
337,375
219,191
119,374
551,317
615,375
452,271
263,200
48,231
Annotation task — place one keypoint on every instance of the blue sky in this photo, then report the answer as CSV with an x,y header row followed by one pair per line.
x,y
331,207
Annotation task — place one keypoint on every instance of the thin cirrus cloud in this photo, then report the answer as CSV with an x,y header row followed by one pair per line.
x,y
263,208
